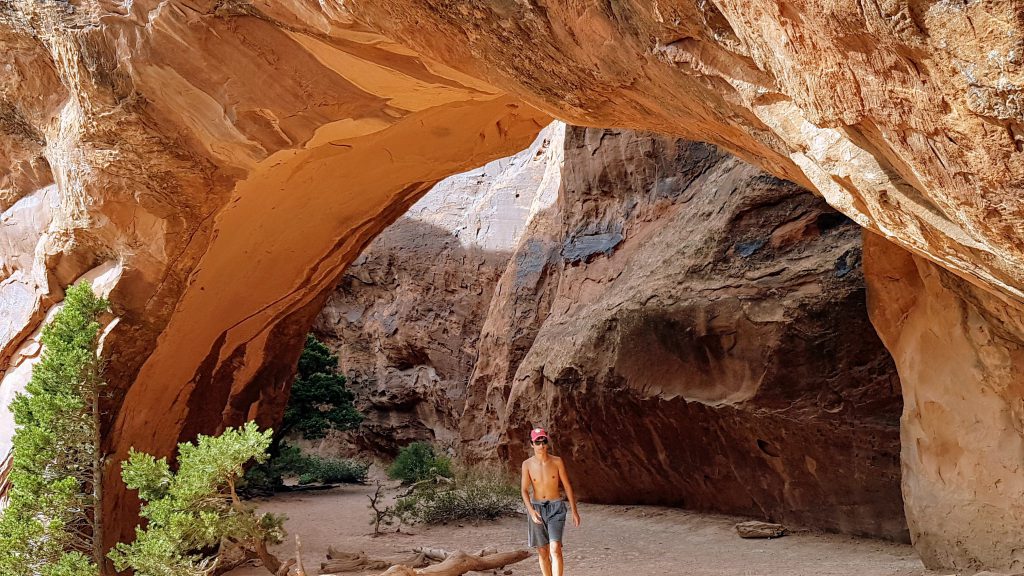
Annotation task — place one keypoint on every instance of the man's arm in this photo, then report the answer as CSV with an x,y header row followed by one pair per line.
x,y
524,489
564,477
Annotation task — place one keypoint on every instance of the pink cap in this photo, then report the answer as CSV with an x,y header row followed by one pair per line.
x,y
538,433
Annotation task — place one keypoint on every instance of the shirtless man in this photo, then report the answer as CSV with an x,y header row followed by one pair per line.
x,y
547,509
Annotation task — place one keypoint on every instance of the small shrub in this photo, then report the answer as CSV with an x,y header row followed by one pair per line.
x,y
474,495
266,478
332,470
417,462
193,513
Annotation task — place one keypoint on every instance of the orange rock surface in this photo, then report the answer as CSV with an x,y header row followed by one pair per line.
x,y
233,157
907,116
233,165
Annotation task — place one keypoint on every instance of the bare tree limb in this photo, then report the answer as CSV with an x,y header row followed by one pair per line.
x,y
300,570
459,563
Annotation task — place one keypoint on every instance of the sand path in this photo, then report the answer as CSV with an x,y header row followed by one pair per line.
x,y
613,541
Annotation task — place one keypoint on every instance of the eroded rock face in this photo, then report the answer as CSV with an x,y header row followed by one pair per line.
x,y
693,332
960,355
234,156
406,317
232,161
907,116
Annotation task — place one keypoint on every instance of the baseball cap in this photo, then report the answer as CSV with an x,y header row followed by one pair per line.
x,y
538,433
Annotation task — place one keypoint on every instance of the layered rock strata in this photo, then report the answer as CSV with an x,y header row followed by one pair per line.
x,y
150,135
960,354
906,116
406,317
693,332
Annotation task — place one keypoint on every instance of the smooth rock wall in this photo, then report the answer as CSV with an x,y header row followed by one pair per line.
x,y
959,350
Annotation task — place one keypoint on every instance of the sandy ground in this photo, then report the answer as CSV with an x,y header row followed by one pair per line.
x,y
612,541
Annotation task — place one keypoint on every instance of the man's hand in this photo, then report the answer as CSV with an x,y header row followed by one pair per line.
x,y
575,518
533,515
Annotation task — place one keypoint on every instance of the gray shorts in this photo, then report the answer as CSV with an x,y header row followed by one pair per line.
x,y
552,514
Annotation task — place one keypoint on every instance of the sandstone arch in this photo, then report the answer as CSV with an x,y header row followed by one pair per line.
x,y
181,140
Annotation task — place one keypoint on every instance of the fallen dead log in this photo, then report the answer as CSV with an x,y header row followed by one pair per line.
x,y
339,561
440,554
459,563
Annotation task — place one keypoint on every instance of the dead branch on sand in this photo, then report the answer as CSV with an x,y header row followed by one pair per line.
x,y
458,563
440,554
338,561
436,480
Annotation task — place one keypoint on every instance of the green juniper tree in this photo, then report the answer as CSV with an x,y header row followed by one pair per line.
x,y
194,516
319,400
52,523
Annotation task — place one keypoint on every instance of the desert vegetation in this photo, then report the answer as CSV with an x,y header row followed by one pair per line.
x,y
196,525
51,526
319,402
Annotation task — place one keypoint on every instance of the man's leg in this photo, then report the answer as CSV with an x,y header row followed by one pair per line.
x,y
556,558
544,555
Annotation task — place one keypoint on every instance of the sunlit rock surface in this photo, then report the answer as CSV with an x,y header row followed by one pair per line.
x,y
907,116
234,156
960,355
233,163
406,317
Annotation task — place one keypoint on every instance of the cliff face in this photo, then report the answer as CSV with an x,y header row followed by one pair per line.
x,y
230,203
230,158
960,354
406,317
693,332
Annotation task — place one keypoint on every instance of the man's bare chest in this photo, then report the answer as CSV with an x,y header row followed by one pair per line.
x,y
544,473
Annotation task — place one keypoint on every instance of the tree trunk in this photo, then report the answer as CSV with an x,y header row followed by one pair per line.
x,y
97,482
270,562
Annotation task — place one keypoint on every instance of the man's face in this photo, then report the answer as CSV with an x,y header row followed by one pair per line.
x,y
540,445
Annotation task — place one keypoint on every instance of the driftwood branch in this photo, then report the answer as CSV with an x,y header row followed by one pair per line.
x,y
338,561
282,569
435,554
440,554
300,570
459,563
435,480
